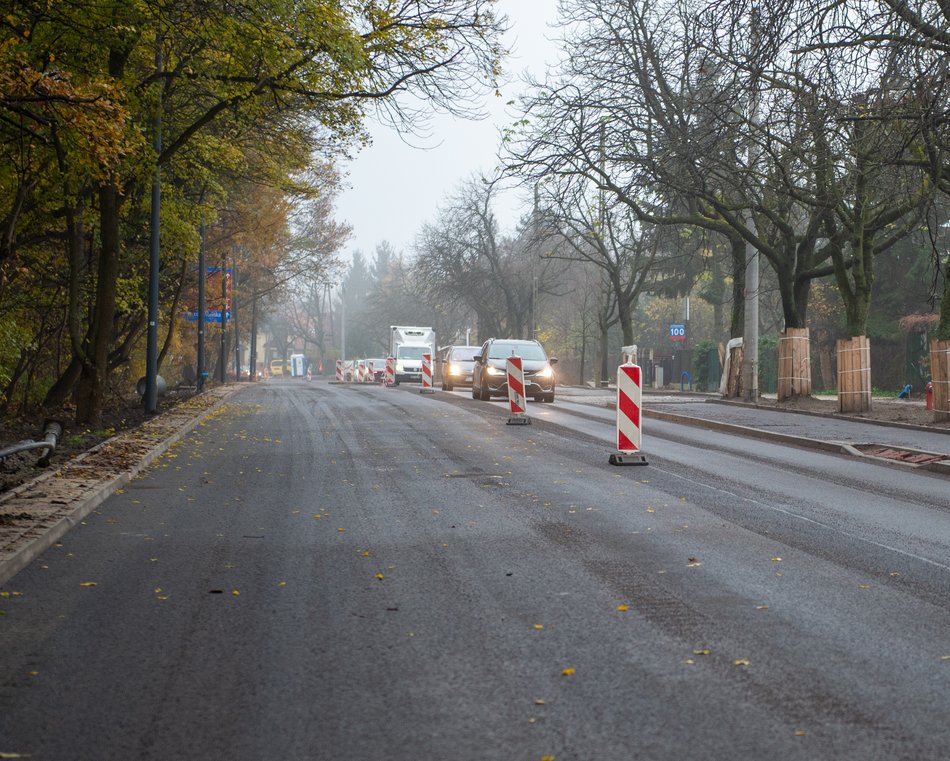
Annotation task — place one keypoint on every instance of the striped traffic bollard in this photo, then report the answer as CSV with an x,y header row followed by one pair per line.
x,y
370,373
629,404
339,371
516,397
361,373
390,371
426,375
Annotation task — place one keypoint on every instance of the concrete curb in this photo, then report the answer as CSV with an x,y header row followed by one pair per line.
x,y
28,549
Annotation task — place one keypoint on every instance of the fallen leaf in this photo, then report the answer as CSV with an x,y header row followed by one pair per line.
x,y
539,626
623,607
741,662
776,560
567,672
341,530
799,733
235,592
704,651
380,576
761,607
539,702
87,584
547,758
282,584
864,586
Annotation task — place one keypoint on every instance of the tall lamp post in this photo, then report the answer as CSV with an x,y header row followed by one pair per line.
x,y
150,397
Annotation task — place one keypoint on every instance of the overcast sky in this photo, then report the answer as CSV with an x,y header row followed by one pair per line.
x,y
395,187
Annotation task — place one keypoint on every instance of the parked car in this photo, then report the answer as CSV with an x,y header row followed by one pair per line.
x,y
456,365
490,377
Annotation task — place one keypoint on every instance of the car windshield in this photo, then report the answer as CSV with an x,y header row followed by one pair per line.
x,y
502,349
411,352
464,353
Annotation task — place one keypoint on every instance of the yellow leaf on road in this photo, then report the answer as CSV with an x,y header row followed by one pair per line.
x,y
567,672
539,626
87,584
623,607
741,662
776,560
235,593
380,576
704,651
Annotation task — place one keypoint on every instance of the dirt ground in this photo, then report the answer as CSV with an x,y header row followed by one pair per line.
x,y
122,415
890,410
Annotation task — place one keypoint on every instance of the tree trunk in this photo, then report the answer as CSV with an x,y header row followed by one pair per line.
x,y
794,364
737,321
854,374
94,375
940,373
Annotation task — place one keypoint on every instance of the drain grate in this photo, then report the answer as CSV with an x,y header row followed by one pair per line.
x,y
898,454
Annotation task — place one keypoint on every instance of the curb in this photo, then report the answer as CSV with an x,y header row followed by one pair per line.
x,y
37,538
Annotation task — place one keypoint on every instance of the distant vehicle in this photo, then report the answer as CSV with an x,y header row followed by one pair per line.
x,y
456,365
279,367
298,365
379,369
407,345
490,376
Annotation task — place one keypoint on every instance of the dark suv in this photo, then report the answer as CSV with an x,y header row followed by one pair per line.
x,y
490,378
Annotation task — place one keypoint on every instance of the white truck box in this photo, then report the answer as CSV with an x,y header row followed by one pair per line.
x,y
407,345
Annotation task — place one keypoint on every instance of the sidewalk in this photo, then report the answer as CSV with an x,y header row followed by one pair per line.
x,y
814,422
37,514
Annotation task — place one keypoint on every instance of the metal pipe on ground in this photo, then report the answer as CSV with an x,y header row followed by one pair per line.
x,y
52,431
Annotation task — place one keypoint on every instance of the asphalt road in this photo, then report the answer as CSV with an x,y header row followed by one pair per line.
x,y
344,573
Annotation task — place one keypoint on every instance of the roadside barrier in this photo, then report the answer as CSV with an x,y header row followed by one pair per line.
x,y
370,372
516,397
426,375
390,371
629,404
361,373
339,371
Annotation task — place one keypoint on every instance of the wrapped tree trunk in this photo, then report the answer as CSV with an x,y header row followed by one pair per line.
x,y
854,374
940,376
794,364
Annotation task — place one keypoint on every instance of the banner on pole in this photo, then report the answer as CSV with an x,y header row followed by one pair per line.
x,y
214,307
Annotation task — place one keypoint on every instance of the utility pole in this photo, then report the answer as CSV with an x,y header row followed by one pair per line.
x,y
234,320
223,355
750,329
150,398
202,275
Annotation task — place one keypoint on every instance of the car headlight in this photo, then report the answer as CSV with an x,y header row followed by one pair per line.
x,y
455,369
494,370
547,372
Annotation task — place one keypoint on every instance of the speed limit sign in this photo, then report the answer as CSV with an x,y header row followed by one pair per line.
x,y
677,331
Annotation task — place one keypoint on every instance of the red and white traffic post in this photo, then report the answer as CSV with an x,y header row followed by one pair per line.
x,y
390,371
629,405
339,371
516,398
426,374
371,372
